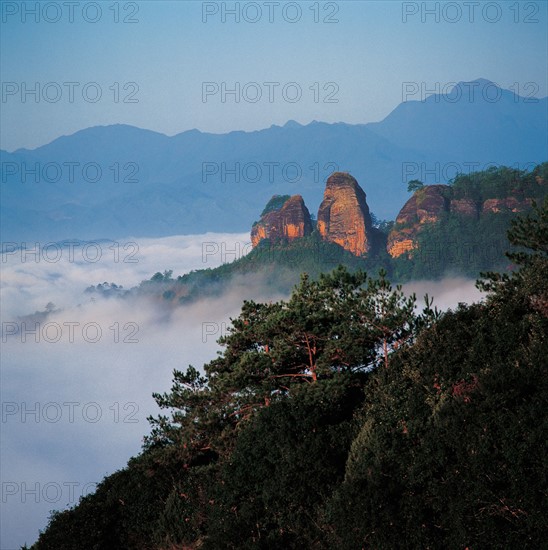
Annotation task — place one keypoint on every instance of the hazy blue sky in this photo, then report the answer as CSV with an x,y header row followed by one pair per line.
x,y
362,57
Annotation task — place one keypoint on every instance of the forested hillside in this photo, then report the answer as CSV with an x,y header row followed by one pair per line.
x,y
346,418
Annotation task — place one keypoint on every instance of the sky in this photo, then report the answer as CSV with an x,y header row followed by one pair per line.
x,y
169,66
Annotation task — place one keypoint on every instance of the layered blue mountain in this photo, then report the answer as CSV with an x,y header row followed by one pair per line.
x,y
120,181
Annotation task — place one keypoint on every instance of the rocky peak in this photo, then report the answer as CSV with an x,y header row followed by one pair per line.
x,y
343,217
284,217
425,206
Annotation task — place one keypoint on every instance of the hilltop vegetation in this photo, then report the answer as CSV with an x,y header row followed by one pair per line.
x,y
501,182
345,418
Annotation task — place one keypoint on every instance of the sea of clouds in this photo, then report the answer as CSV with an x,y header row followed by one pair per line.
x,y
77,392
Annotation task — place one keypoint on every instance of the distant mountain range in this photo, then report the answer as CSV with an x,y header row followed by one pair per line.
x,y
118,181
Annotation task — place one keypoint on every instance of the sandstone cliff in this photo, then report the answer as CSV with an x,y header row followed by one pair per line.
x,y
509,204
343,217
426,205
283,218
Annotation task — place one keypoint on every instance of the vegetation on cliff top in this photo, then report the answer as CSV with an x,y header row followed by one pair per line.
x,y
275,203
453,245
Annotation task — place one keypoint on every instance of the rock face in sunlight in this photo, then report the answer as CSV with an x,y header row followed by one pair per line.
x,y
509,204
283,218
429,203
425,206
343,217
433,212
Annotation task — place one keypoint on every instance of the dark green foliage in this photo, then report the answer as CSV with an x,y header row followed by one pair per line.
x,y
284,467
458,245
500,182
275,203
452,449
414,185
122,512
106,290
530,232
164,277
342,323
184,520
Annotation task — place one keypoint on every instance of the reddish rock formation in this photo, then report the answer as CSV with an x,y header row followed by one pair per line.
x,y
509,204
343,217
465,207
290,220
398,244
425,206
428,203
